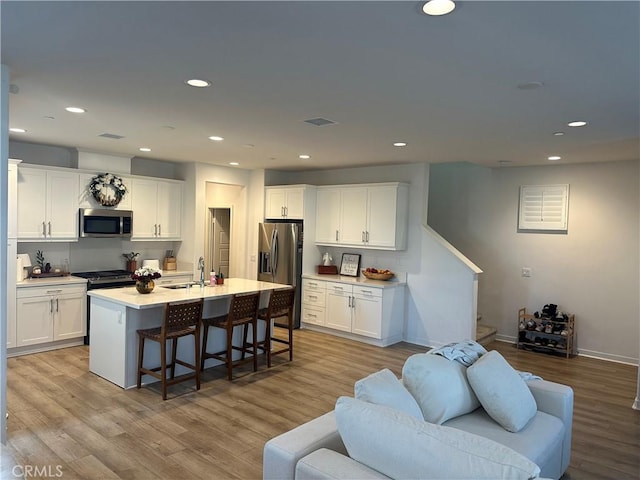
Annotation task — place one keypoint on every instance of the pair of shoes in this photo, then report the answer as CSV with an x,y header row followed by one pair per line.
x,y
564,333
548,328
552,343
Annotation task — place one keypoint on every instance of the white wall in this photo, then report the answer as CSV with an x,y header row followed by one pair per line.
x,y
196,176
592,271
433,318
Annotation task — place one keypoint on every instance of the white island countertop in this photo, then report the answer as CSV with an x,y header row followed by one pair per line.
x,y
129,296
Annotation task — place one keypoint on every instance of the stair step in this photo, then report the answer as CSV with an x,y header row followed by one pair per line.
x,y
485,334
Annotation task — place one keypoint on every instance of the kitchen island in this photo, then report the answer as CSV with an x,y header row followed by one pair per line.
x,y
117,313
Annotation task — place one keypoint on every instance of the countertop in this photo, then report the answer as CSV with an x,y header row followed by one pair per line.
x,y
129,296
397,281
50,281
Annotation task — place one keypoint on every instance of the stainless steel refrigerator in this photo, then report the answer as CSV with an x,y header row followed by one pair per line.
x,y
280,257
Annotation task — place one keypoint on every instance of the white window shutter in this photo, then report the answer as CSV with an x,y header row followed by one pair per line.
x,y
544,207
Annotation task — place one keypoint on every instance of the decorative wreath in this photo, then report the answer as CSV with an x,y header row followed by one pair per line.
x,y
107,189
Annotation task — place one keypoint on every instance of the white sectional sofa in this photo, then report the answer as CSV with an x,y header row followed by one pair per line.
x,y
441,420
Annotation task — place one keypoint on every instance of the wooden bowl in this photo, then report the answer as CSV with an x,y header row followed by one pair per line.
x,y
377,276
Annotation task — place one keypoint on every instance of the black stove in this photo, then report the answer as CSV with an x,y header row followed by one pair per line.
x,y
103,279
106,278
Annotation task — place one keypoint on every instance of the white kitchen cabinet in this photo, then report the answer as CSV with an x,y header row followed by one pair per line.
x,y
366,216
173,279
47,205
157,209
339,306
86,200
328,216
354,309
284,203
49,314
313,301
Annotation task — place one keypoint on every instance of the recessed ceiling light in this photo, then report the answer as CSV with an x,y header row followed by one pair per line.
x,y
558,134
235,164
196,82
75,110
553,158
304,157
17,130
438,7
216,139
144,149
577,123
400,144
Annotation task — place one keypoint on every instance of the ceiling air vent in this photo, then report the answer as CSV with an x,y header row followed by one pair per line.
x,y
113,136
320,122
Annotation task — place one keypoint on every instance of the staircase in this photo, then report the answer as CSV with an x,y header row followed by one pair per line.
x,y
485,334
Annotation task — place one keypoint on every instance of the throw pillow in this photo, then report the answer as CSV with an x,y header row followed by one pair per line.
x,y
439,386
384,388
502,392
401,446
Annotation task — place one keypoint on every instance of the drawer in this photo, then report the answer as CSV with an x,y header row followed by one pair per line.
x,y
30,292
173,279
313,315
309,284
339,288
313,297
367,291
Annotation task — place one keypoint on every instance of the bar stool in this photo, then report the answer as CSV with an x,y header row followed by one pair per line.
x,y
180,319
281,305
243,311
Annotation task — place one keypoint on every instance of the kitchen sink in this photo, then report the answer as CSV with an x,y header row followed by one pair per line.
x,y
177,286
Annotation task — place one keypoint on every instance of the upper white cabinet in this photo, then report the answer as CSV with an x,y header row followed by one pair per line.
x,y
47,205
86,200
12,199
157,209
367,216
284,202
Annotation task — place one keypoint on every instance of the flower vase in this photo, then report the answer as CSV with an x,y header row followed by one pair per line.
x,y
145,286
131,266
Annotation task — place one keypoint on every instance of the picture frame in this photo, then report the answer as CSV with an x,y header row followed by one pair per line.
x,y
350,264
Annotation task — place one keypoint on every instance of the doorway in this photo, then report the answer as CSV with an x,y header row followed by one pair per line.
x,y
219,241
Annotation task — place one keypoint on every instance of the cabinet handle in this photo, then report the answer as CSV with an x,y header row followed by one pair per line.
x,y
155,229
362,237
336,235
313,296
49,228
51,306
159,229
57,306
367,237
311,315
367,291
353,302
349,302
53,292
44,230
338,288
286,211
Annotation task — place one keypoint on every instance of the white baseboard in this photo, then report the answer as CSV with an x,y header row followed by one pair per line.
x,y
585,353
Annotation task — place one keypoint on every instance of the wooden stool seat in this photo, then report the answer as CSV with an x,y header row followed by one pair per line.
x,y
281,306
243,311
180,320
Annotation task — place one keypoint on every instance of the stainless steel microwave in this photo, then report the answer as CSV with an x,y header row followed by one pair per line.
x,y
96,222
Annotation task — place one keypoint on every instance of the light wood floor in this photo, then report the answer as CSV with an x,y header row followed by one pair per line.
x,y
62,415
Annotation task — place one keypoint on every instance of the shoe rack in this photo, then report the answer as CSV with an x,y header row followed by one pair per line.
x,y
543,334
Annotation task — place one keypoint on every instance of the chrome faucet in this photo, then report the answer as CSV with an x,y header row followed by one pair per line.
x,y
201,268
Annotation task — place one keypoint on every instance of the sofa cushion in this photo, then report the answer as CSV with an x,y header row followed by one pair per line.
x,y
541,441
384,388
326,464
502,392
440,387
401,446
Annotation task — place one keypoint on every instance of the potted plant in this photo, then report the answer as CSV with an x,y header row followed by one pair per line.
x,y
145,277
131,261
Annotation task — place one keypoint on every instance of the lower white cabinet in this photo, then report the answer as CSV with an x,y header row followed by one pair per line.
x,y
370,313
174,279
49,314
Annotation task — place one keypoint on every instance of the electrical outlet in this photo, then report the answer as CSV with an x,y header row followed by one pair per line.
x,y
526,272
